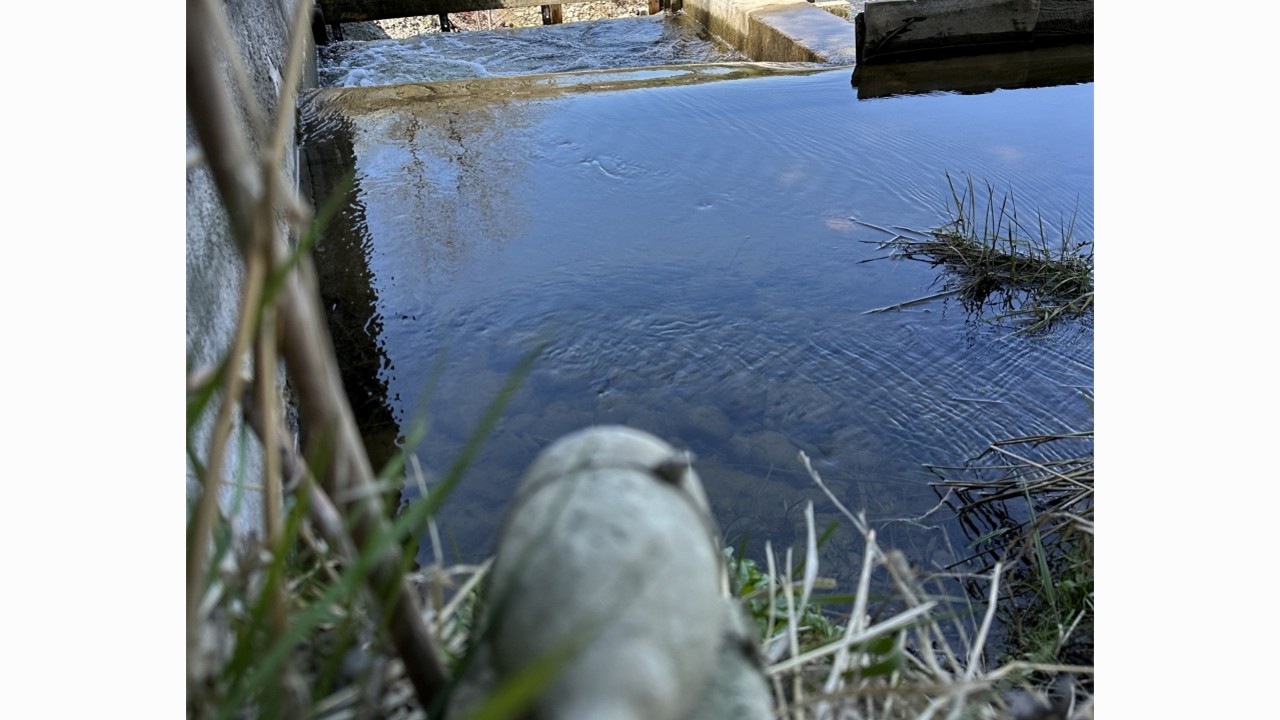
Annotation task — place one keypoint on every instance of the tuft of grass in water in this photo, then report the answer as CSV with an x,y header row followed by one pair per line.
x,y
1000,264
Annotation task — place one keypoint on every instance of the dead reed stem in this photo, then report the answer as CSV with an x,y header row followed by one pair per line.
x,y
246,187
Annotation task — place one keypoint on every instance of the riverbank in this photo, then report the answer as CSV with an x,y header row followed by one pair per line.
x,y
401,28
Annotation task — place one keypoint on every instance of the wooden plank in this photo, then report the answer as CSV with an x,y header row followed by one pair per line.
x,y
344,11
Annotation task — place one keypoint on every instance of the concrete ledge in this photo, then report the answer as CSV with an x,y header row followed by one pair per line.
x,y
778,30
912,27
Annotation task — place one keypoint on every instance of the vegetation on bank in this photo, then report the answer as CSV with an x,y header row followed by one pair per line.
x,y
1028,502
901,644
324,614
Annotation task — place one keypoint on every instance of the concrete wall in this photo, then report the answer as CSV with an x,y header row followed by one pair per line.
x,y
777,30
894,30
214,272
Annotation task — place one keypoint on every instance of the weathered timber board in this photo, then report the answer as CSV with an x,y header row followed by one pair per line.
x,y
344,11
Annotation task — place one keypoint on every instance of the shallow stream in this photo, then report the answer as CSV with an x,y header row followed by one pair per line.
x,y
689,245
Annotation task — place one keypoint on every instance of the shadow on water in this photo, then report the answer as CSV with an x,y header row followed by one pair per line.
x,y
688,245
347,289
1065,64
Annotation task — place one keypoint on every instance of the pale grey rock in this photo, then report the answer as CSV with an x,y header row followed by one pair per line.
x,y
707,420
609,550
368,30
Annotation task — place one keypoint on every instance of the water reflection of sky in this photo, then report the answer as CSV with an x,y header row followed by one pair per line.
x,y
690,255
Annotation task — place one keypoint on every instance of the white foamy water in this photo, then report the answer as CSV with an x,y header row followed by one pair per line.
x,y
604,44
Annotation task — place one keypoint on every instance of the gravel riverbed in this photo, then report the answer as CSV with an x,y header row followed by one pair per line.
x,y
400,28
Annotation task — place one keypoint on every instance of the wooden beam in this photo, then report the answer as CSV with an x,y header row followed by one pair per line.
x,y
345,11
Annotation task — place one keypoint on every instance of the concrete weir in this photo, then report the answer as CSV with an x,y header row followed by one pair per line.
x,y
778,30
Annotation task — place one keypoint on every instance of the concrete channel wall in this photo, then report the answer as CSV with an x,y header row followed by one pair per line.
x,y
214,268
895,30
778,30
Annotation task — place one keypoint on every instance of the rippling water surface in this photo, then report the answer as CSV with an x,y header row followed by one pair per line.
x,y
692,258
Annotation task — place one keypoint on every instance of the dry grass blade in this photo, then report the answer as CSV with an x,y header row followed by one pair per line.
x,y
810,556
906,665
1032,510
252,189
904,619
975,653
859,523
912,303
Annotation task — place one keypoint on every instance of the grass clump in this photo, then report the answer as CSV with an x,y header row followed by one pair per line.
x,y
1028,502
907,649
998,264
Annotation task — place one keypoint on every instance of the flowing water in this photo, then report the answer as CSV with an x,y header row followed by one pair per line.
x,y
689,244
432,57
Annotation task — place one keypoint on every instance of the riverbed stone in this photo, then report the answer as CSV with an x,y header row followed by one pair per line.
x,y
461,404
778,448
850,439
705,421
762,452
613,407
561,418
650,419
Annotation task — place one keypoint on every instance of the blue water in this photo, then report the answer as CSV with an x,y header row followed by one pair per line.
x,y
693,259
